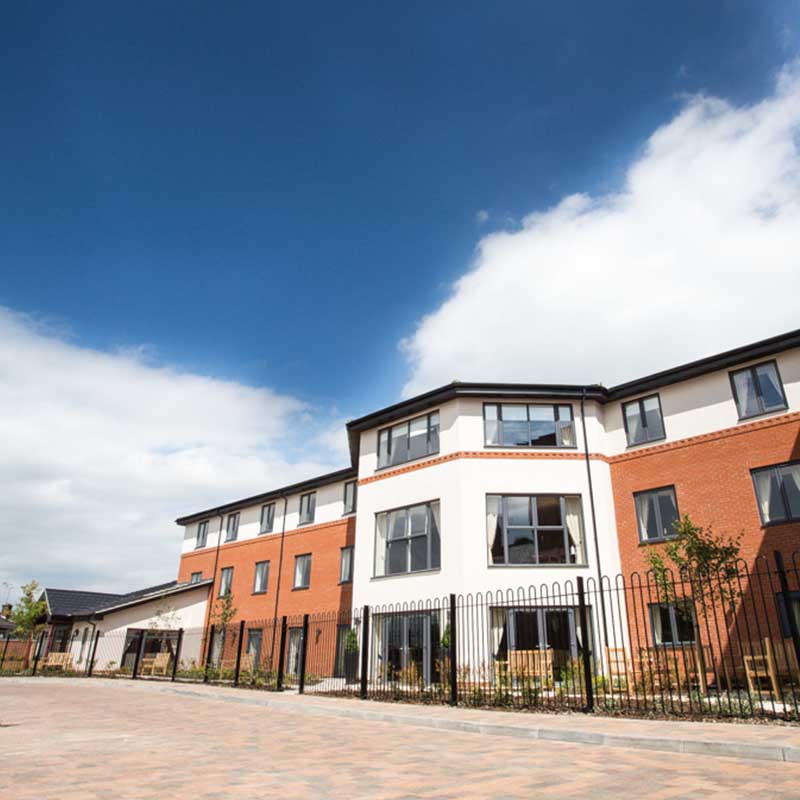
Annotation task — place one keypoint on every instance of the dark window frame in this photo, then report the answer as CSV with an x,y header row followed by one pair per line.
x,y
311,512
752,369
351,549
527,406
295,585
783,612
236,517
202,525
256,590
673,612
407,423
408,538
352,508
270,508
222,573
786,506
636,495
640,401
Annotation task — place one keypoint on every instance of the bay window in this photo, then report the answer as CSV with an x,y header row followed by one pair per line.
x,y
409,440
528,425
407,539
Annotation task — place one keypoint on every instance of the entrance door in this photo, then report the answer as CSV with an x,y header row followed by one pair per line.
x,y
409,640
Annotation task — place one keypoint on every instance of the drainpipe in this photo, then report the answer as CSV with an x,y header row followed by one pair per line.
x,y
214,575
594,518
278,582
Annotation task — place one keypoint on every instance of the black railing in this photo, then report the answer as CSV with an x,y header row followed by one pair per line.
x,y
723,643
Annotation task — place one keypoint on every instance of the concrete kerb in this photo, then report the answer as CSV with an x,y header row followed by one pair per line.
x,y
376,712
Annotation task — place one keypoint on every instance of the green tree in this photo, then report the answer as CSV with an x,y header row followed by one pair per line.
x,y
224,610
29,612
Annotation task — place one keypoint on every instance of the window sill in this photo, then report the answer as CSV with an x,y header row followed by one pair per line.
x,y
764,413
200,547
300,588
537,566
264,592
303,524
630,445
406,574
264,533
660,540
403,463
529,446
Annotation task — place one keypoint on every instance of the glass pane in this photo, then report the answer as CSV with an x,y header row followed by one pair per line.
x,y
399,452
418,441
791,488
518,511
768,492
433,442
490,412
435,543
548,510
398,524
646,509
669,512
539,413
634,423
419,519
515,414
551,547
746,397
516,434
565,426
521,547
494,529
543,433
652,413
397,557
383,448
526,630
771,394
492,431
419,552
683,624
662,625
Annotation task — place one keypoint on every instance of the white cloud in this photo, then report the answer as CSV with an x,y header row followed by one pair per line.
x,y
481,216
698,252
102,451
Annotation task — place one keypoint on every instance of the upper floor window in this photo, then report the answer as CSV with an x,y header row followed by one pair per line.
x,y
225,581
531,425
656,513
757,390
778,492
350,492
202,534
232,527
409,440
196,577
346,565
407,539
308,505
302,571
261,577
534,529
267,518
643,420
673,623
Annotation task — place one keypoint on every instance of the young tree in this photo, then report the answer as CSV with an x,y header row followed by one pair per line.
x,y
29,612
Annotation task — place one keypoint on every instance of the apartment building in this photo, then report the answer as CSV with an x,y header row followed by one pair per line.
x,y
488,487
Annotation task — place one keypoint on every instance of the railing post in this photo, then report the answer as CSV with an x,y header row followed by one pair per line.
x,y
301,685
209,649
178,646
38,652
139,650
3,657
787,604
90,665
453,651
281,656
239,654
587,656
364,652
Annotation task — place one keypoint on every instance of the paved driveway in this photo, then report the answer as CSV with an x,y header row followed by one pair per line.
x,y
79,740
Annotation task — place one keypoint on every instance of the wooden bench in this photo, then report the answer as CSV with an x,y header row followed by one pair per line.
x,y
157,664
62,661
526,665
770,661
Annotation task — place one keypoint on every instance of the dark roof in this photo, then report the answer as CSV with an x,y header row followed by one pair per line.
x,y
6,624
274,494
75,603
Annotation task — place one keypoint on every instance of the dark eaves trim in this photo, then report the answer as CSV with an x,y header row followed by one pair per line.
x,y
274,494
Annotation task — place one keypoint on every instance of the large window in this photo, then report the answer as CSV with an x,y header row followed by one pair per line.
x,y
656,513
350,494
202,534
534,529
267,518
302,571
643,420
531,425
261,577
346,565
757,390
232,527
308,505
673,623
778,492
225,581
407,539
409,440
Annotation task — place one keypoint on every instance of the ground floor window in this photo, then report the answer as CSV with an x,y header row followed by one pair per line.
x,y
294,645
155,642
59,638
255,637
673,623
408,646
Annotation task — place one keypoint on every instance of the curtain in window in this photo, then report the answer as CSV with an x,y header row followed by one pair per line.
x,y
494,532
436,527
376,656
791,486
499,633
572,509
746,393
769,495
771,391
380,543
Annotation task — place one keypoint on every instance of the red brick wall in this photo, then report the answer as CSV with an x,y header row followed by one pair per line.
x,y
325,593
713,485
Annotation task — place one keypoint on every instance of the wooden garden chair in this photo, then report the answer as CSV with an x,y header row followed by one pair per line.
x,y
62,661
765,661
535,664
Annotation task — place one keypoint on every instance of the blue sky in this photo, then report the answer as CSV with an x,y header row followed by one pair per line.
x,y
226,228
